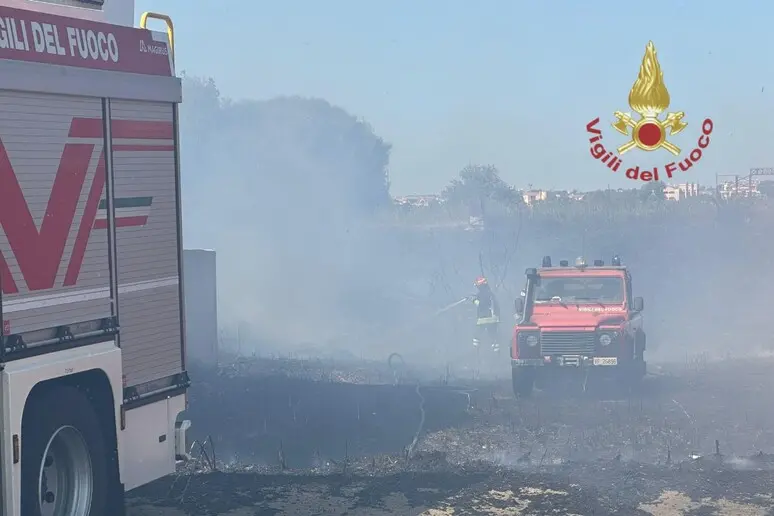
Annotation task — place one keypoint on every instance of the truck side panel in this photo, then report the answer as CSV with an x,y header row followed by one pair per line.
x,y
145,208
55,264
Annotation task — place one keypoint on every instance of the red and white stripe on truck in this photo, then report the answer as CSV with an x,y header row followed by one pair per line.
x,y
92,347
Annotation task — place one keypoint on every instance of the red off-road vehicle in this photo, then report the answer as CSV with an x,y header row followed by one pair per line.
x,y
577,319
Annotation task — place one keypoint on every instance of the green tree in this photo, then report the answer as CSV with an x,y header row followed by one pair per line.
x,y
200,110
309,150
199,115
652,191
280,188
281,152
479,187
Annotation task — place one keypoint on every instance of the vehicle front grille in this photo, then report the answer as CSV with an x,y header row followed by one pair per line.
x,y
568,342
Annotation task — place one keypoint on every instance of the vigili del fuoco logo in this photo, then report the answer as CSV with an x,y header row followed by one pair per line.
x,y
649,98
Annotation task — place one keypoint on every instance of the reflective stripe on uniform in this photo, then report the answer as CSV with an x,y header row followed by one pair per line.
x,y
487,320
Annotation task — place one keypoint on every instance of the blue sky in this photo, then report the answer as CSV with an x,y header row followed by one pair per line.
x,y
510,83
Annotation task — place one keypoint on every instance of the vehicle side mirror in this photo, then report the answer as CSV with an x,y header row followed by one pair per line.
x,y
638,305
518,306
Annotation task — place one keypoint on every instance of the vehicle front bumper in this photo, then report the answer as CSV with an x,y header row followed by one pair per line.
x,y
566,361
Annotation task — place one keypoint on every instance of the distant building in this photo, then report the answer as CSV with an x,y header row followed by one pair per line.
x,y
736,189
532,196
681,191
419,200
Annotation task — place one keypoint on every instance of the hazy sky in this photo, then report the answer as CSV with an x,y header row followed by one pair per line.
x,y
507,82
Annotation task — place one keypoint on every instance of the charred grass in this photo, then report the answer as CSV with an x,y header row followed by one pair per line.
x,y
694,440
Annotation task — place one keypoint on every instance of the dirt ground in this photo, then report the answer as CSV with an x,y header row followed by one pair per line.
x,y
307,437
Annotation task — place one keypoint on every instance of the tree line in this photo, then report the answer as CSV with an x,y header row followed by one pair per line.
x,y
295,156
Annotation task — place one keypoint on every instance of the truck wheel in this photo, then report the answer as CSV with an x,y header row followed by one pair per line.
x,y
63,457
523,381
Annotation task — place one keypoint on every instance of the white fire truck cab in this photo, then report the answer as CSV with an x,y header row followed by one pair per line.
x,y
92,355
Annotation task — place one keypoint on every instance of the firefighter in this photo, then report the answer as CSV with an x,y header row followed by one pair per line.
x,y
487,316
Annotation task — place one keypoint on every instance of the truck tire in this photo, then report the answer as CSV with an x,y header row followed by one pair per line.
x,y
64,457
523,381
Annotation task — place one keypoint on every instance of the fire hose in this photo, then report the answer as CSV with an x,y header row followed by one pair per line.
x,y
395,362
447,308
411,326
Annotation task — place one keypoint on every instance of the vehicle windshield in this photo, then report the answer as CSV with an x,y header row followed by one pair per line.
x,y
587,289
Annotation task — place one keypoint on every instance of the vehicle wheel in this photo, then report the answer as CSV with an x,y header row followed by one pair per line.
x,y
639,346
523,381
64,457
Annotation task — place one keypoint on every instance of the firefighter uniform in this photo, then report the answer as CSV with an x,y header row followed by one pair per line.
x,y
487,315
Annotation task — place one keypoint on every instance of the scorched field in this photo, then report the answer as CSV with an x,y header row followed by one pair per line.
x,y
313,437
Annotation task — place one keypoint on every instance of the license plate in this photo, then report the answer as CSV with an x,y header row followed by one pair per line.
x,y
603,361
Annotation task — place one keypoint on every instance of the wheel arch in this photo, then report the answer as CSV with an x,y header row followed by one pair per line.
x,y
95,386
96,368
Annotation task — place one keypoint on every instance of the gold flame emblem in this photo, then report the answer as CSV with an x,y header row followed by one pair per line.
x,y
649,97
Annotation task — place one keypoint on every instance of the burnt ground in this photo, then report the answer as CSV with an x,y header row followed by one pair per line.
x,y
313,437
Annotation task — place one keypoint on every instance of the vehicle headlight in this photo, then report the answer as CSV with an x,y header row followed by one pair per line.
x,y
532,340
605,339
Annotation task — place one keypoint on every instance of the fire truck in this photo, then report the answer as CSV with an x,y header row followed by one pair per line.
x,y
577,320
92,354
